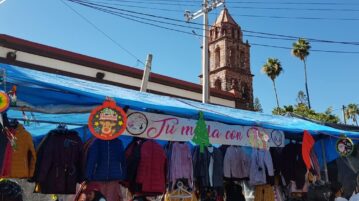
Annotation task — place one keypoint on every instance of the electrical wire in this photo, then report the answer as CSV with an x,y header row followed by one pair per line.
x,y
136,19
297,17
285,37
299,9
165,2
135,5
102,32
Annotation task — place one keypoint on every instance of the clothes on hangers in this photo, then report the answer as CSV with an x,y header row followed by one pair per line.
x,y
236,163
181,166
133,156
105,161
348,167
4,142
261,167
204,175
23,157
151,173
59,163
293,167
6,168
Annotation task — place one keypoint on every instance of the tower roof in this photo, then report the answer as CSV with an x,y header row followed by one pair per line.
x,y
224,17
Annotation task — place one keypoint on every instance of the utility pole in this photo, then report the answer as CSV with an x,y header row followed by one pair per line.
x,y
345,120
146,73
206,8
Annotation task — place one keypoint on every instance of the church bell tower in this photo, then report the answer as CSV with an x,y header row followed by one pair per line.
x,y
229,60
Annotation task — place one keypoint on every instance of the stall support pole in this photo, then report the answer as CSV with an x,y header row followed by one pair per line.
x,y
146,73
324,162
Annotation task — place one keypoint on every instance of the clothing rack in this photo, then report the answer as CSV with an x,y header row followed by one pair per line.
x,y
47,121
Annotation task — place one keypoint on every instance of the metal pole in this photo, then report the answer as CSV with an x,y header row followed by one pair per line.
x,y
324,162
146,73
205,69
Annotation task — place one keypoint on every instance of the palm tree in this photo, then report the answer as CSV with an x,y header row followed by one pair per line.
x,y
301,50
351,112
273,69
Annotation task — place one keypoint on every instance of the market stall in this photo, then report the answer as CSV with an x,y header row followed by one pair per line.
x,y
164,146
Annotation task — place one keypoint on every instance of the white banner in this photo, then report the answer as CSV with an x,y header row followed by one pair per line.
x,y
171,128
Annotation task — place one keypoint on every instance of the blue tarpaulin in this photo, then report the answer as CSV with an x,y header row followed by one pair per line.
x,y
65,97
65,94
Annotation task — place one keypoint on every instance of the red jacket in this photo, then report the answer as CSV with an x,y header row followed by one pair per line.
x,y
151,171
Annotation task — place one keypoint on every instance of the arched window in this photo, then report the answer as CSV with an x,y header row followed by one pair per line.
x,y
242,61
224,32
218,84
232,57
217,58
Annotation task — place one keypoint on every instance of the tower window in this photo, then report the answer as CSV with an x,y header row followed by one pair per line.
x,y
242,62
218,84
217,58
232,57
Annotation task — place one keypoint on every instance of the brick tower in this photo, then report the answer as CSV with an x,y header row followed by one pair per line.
x,y
229,60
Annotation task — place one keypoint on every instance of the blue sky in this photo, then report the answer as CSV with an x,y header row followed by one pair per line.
x,y
333,77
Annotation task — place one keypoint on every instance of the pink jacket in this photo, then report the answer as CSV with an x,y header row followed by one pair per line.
x,y
181,163
236,163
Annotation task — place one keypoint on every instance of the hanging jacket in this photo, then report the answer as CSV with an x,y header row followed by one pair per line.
x,y
181,166
60,166
23,156
133,156
151,173
348,168
261,166
5,171
39,155
3,143
106,161
201,163
86,146
236,163
293,167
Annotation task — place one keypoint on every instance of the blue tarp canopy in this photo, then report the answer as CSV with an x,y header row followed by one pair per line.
x,y
59,94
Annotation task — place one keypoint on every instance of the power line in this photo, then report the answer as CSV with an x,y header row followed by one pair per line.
x,y
242,15
312,50
102,32
283,37
128,4
291,8
298,17
136,19
153,3
165,2
293,3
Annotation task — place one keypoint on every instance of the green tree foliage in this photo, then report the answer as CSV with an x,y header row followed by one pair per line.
x,y
257,106
351,112
304,111
201,137
301,50
273,68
